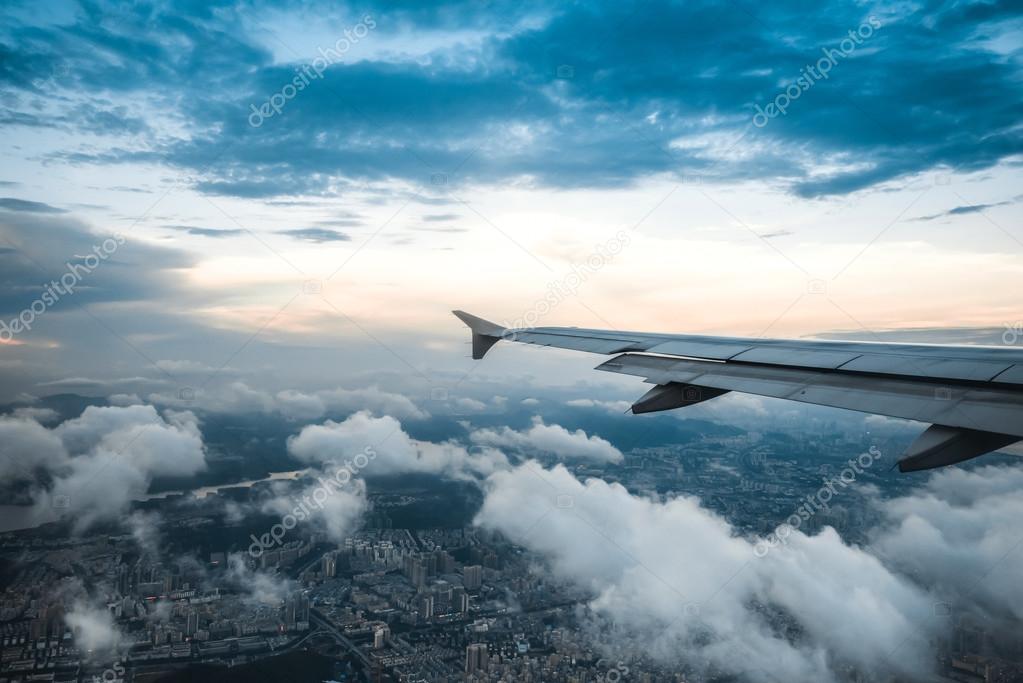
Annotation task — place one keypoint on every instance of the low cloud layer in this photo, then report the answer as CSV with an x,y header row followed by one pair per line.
x,y
550,439
960,534
93,466
257,587
678,578
239,397
93,627
333,504
395,451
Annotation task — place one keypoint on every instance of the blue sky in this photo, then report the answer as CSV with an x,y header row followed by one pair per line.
x,y
468,155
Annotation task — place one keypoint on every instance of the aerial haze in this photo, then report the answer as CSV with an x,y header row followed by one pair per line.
x,y
242,434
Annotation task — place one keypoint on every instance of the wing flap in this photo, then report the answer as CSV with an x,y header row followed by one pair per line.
x,y
697,349
803,358
977,408
1013,375
562,341
919,366
955,364
971,394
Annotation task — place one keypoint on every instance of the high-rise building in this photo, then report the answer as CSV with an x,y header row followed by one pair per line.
x,y
476,658
445,562
290,616
329,565
296,609
490,560
380,637
424,605
192,623
459,600
123,579
419,574
472,577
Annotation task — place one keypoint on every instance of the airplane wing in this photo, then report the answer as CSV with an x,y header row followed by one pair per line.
x,y
971,395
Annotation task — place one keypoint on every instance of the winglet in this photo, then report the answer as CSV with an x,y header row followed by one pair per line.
x,y
484,333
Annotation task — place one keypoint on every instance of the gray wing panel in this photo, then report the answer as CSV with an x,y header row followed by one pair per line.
x,y
918,366
937,363
1013,375
575,343
803,358
970,364
698,349
983,409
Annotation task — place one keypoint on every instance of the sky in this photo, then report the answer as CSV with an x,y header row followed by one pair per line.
x,y
298,194
271,208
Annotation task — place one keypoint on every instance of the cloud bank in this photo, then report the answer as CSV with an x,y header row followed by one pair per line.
x,y
550,439
93,466
396,452
680,579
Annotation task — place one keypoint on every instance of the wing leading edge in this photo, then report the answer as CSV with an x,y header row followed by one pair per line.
x,y
971,395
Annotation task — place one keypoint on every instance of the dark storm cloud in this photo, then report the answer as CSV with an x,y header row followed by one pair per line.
x,y
571,96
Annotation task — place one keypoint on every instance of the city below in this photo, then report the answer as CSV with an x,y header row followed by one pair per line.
x,y
407,597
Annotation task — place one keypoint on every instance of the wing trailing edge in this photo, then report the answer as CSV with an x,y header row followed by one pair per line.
x,y
971,395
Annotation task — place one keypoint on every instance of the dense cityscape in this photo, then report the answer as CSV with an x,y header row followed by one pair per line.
x,y
405,603
511,341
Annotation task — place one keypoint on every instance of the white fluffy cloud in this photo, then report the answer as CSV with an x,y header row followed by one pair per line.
x,y
39,414
395,451
257,587
552,439
167,445
680,579
93,628
960,535
97,463
239,397
609,406
469,404
299,405
123,399
236,397
333,507
295,405
27,447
